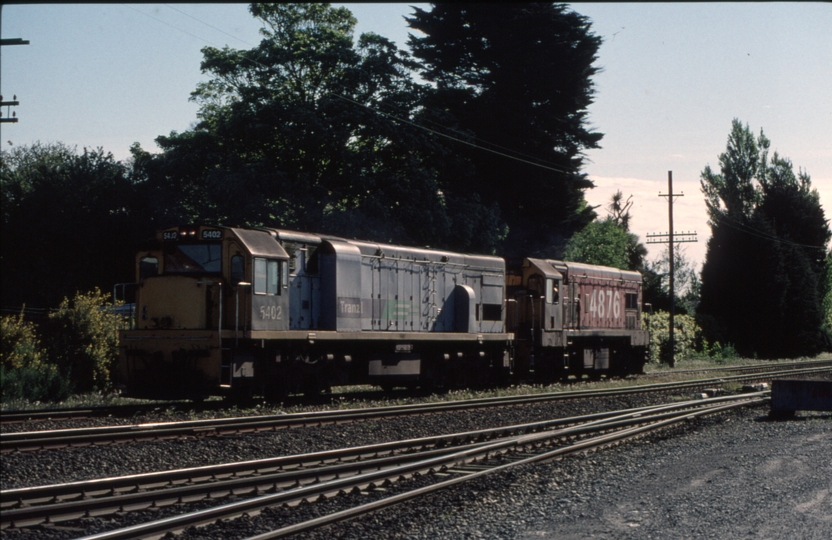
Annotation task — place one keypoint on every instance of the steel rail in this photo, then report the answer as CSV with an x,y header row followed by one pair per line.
x,y
31,496
596,442
743,369
37,440
439,463
65,413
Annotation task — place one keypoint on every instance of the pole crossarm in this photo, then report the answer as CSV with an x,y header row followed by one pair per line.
x,y
663,238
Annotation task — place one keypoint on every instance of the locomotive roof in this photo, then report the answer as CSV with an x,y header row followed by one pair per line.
x,y
555,269
260,243
369,248
595,271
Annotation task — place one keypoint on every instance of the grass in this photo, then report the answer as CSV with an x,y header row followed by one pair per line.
x,y
344,401
702,363
80,401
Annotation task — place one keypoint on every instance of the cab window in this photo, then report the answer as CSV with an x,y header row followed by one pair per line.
x,y
148,266
238,269
269,276
196,258
552,291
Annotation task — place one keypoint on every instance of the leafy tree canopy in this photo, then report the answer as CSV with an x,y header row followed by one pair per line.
x,y
67,223
763,277
314,132
608,242
600,242
515,79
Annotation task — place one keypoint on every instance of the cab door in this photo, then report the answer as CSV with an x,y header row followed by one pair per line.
x,y
269,294
553,314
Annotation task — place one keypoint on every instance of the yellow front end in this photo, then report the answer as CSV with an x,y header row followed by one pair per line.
x,y
175,349
176,302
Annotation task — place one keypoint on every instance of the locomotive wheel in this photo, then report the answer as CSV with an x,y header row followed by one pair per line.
x,y
276,391
314,389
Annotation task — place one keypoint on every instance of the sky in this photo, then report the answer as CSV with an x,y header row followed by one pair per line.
x,y
674,76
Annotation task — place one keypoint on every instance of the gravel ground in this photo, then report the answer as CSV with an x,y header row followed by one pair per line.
x,y
82,463
734,475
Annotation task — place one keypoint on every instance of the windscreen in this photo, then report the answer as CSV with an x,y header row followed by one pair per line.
x,y
188,258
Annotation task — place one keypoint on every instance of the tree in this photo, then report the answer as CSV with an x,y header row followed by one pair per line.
x,y
619,209
513,81
309,131
67,223
600,242
608,242
686,282
762,281
827,299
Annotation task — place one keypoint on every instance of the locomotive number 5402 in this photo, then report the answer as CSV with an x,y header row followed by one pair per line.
x,y
274,313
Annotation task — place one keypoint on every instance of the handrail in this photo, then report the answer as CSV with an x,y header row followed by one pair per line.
x,y
237,315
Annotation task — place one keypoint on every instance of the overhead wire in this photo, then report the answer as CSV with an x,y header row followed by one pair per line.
x,y
399,119
742,227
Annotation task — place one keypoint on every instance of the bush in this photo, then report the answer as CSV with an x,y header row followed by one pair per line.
x,y
34,383
687,336
19,343
24,372
718,352
84,340
689,339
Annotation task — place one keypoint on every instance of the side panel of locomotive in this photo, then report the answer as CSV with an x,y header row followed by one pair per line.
x,y
390,314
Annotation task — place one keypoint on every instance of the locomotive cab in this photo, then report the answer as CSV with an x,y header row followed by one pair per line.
x,y
199,288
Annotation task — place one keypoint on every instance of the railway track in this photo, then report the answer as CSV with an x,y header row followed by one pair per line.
x,y
756,368
126,411
50,439
18,416
290,480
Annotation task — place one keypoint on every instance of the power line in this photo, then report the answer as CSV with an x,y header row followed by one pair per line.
x,y
747,229
550,168
208,25
168,24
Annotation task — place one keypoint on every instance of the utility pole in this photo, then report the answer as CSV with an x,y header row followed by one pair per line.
x,y
10,116
669,238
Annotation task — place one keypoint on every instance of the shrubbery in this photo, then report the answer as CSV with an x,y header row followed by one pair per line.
x,y
43,383
24,372
84,340
20,344
689,341
79,350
